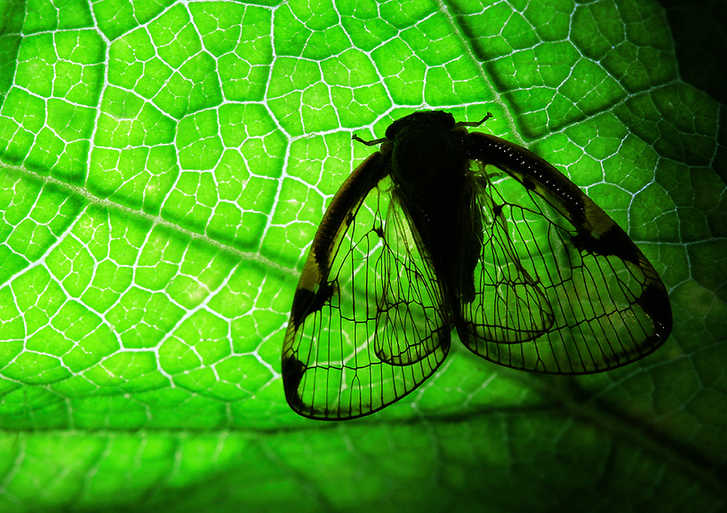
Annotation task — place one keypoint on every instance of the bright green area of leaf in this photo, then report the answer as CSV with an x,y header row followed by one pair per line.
x,y
164,170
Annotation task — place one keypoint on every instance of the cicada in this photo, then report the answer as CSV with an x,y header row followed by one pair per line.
x,y
441,230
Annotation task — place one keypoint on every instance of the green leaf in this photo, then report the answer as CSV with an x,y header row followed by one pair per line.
x,y
163,171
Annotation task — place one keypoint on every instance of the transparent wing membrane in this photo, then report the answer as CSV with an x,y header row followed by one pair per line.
x,y
509,304
560,288
374,331
410,319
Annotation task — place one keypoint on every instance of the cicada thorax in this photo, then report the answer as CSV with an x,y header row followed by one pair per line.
x,y
433,184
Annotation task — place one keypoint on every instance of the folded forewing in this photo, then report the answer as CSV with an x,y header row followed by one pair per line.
x,y
411,321
506,301
579,295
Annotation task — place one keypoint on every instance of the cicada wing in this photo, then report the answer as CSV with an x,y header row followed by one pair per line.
x,y
364,330
606,303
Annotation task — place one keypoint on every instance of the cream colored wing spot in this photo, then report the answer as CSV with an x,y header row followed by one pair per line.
x,y
597,221
311,276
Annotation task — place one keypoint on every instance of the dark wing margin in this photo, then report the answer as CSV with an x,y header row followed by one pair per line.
x,y
582,297
366,326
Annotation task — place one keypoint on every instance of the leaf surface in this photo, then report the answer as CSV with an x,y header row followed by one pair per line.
x,y
163,170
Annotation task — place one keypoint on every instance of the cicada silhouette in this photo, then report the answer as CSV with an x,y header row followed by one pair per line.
x,y
444,229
